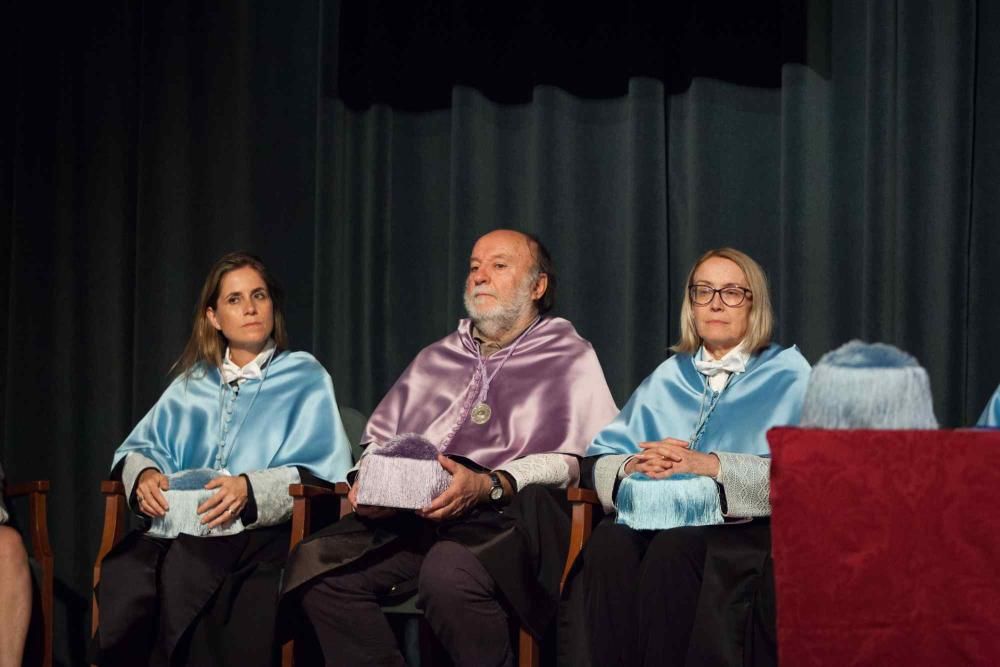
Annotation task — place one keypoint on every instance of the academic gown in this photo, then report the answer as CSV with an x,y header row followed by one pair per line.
x,y
212,600
549,396
735,617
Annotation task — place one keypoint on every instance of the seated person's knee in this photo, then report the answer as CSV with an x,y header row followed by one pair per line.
x,y
11,547
677,545
449,572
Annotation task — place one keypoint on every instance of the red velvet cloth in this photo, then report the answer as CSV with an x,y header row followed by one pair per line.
x,y
886,547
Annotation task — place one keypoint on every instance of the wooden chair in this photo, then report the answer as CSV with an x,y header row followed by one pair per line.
x,y
41,550
586,510
115,524
319,505
584,502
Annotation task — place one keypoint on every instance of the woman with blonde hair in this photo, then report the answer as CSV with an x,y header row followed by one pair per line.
x,y
687,455
209,466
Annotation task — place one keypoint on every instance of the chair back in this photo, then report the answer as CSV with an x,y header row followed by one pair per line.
x,y
354,424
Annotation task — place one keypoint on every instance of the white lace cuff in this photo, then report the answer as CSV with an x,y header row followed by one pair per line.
x,y
606,474
555,470
270,492
135,463
746,479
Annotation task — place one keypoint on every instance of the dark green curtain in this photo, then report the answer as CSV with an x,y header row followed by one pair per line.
x,y
860,183
141,140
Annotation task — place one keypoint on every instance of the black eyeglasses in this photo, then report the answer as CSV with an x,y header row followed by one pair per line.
x,y
702,295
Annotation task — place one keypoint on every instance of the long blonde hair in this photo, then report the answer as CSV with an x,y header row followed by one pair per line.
x,y
761,323
207,345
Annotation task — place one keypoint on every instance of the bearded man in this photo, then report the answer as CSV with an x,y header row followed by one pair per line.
x,y
510,400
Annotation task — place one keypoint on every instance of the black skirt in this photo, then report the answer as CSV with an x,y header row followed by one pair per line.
x,y
191,600
734,618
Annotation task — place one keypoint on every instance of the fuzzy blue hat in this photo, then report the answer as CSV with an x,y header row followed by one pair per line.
x,y
403,473
868,386
185,494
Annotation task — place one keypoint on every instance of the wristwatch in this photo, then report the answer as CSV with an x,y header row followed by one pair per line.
x,y
496,489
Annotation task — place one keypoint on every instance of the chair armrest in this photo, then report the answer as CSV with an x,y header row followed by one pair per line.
x,y
584,504
110,487
114,526
38,528
27,488
309,491
302,497
342,489
576,494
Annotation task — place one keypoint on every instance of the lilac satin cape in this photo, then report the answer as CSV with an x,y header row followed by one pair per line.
x,y
991,415
293,421
550,396
670,403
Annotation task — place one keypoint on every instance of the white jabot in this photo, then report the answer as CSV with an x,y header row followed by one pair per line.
x,y
718,370
254,370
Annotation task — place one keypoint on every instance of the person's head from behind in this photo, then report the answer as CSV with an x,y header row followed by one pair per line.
x,y
240,307
511,280
726,303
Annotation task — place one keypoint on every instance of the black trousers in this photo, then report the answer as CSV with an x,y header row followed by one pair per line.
x,y
641,593
701,595
459,599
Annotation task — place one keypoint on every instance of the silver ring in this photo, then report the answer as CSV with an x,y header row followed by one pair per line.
x,y
232,511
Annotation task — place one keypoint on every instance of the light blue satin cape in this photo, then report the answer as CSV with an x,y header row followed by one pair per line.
x,y
991,415
676,402
670,402
293,421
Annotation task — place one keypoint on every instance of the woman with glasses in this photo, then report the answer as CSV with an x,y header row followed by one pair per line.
x,y
209,466
675,573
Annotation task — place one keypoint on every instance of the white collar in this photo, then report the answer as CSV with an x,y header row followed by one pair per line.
x,y
253,370
734,361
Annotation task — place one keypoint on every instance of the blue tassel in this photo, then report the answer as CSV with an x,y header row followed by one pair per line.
x,y
645,503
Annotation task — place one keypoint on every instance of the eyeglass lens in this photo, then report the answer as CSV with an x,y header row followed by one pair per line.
x,y
702,295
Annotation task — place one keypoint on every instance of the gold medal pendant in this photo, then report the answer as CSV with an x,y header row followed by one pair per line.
x,y
481,413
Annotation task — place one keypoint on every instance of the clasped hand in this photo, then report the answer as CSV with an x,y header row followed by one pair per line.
x,y
224,505
662,458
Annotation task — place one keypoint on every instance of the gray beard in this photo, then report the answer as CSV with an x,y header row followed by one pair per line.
x,y
503,317
495,325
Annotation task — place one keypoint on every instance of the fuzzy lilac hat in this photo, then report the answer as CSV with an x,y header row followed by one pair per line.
x,y
403,473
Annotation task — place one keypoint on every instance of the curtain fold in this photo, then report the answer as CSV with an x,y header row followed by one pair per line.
x,y
851,183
